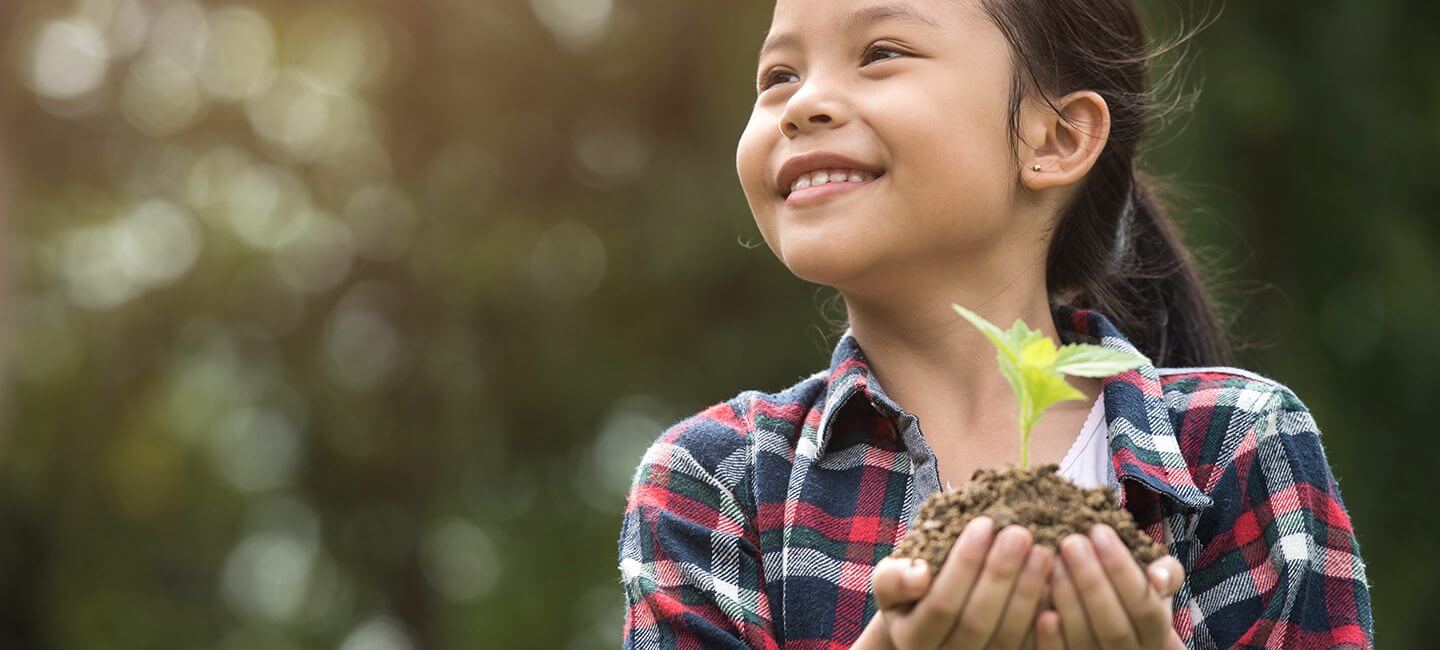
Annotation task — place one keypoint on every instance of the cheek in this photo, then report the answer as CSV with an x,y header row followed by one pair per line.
x,y
956,161
958,146
751,155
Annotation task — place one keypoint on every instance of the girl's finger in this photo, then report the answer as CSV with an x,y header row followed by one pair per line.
x,y
982,610
1108,617
1148,611
1028,643
1047,631
1074,623
930,620
1019,614
899,583
1045,603
1166,575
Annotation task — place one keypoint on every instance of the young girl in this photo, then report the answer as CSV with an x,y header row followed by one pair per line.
x,y
914,154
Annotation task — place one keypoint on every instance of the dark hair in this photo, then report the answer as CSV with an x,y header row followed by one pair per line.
x,y
1114,249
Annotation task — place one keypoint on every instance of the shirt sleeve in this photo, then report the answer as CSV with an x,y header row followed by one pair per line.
x,y
1280,565
689,553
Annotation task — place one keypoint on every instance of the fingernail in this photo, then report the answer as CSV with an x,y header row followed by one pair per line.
x,y
975,533
915,573
1014,539
1073,544
1102,536
1162,576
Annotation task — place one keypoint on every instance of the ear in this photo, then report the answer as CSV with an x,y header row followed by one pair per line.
x,y
1065,150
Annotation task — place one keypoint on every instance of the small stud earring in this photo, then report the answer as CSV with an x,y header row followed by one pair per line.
x,y
1035,167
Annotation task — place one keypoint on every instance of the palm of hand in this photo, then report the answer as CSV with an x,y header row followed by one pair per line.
x,y
1002,591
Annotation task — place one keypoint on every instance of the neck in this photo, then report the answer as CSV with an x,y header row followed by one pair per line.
x,y
934,363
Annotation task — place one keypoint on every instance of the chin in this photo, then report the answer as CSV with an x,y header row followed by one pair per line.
x,y
827,261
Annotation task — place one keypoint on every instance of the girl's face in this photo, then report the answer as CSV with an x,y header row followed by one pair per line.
x,y
917,91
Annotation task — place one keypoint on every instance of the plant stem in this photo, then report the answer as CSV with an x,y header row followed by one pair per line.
x,y
1024,443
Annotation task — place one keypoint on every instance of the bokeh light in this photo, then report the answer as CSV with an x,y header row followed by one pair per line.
x,y
346,324
70,59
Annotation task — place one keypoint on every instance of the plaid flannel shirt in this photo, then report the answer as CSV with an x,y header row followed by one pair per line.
x,y
757,522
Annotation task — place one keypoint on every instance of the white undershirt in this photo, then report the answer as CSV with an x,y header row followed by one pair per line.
x,y
1085,463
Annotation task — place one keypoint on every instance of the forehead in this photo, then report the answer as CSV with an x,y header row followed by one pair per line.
x,y
793,18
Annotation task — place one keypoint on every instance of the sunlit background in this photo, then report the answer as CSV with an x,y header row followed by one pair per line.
x,y
344,324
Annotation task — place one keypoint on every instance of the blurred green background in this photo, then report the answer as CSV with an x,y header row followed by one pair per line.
x,y
345,324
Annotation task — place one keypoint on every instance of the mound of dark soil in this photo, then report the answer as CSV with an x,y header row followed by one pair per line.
x,y
1037,498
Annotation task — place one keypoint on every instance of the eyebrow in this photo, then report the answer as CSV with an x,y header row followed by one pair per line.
x,y
902,11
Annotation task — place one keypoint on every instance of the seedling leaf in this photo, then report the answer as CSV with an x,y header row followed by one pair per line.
x,y
1036,369
1094,361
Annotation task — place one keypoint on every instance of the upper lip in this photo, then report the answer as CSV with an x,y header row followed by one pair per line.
x,y
816,161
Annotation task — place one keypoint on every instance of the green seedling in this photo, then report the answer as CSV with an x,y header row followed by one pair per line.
x,y
1036,369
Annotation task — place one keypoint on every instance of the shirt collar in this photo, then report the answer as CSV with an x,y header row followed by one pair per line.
x,y
1143,443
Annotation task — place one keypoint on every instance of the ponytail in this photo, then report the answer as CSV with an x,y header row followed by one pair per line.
x,y
1143,280
1115,249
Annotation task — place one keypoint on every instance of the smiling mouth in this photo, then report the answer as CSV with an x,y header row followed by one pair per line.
x,y
816,195
851,180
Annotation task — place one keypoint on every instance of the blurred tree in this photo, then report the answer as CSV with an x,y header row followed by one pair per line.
x,y
345,323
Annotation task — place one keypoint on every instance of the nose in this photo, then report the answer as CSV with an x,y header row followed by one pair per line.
x,y
813,106
791,129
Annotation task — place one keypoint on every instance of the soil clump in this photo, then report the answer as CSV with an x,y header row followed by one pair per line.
x,y
1037,498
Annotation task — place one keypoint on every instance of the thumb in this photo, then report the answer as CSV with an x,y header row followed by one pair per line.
x,y
1166,575
899,582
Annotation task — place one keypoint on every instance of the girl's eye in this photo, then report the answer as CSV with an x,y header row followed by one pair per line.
x,y
765,82
880,48
770,76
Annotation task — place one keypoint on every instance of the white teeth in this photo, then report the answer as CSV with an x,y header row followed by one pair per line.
x,y
824,176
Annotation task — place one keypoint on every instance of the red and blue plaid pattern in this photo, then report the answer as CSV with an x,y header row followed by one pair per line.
x,y
756,522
